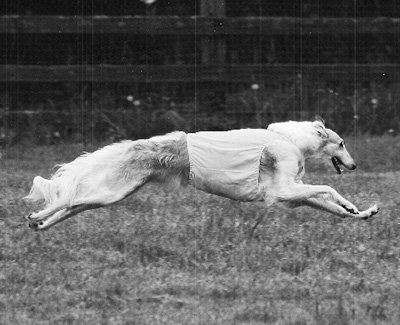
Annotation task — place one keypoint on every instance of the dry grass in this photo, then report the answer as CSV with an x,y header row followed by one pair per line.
x,y
192,258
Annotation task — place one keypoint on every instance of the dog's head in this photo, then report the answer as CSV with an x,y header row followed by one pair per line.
x,y
335,149
314,140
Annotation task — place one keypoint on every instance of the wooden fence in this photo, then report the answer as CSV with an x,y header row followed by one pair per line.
x,y
211,66
210,53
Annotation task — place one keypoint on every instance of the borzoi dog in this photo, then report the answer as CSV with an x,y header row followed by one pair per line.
x,y
246,165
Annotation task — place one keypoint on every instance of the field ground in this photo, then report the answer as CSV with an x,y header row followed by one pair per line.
x,y
193,258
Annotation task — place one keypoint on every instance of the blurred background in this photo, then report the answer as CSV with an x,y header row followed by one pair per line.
x,y
102,70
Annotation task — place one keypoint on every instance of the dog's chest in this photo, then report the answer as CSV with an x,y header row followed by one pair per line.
x,y
227,163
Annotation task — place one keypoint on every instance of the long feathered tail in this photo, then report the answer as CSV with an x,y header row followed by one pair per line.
x,y
115,168
63,186
51,192
41,190
81,176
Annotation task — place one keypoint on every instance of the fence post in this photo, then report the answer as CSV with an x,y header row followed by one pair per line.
x,y
213,48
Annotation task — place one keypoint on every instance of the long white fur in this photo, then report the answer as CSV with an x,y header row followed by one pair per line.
x,y
76,177
113,172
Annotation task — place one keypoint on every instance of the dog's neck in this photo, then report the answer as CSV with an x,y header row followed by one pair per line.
x,y
302,134
308,146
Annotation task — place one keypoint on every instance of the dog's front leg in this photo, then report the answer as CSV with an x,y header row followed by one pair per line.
x,y
334,197
300,192
336,209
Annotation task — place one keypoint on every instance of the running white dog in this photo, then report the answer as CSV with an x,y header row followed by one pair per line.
x,y
246,165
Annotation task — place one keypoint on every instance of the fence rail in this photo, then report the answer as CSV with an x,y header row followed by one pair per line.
x,y
198,73
134,25
214,34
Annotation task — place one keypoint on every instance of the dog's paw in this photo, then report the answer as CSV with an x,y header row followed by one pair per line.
x,y
32,223
31,217
365,215
350,208
35,225
373,210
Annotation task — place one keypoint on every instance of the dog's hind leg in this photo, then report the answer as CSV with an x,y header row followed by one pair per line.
x,y
43,214
96,200
103,194
59,216
80,205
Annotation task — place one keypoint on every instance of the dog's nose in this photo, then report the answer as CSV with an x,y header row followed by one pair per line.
x,y
354,166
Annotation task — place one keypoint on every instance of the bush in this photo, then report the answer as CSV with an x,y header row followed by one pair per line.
x,y
368,109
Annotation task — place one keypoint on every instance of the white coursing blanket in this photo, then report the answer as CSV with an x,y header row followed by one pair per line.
x,y
227,163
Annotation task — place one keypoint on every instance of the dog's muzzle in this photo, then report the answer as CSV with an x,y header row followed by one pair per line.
x,y
337,163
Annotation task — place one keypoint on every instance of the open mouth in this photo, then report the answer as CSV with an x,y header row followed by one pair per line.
x,y
336,163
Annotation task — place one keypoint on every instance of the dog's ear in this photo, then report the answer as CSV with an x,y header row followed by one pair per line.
x,y
319,118
320,128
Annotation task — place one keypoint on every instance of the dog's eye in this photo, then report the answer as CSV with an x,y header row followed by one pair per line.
x,y
341,144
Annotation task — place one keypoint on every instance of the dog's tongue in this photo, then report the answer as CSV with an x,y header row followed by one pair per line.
x,y
336,162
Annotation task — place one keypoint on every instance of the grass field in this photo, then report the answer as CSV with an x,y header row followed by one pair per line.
x,y
193,258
